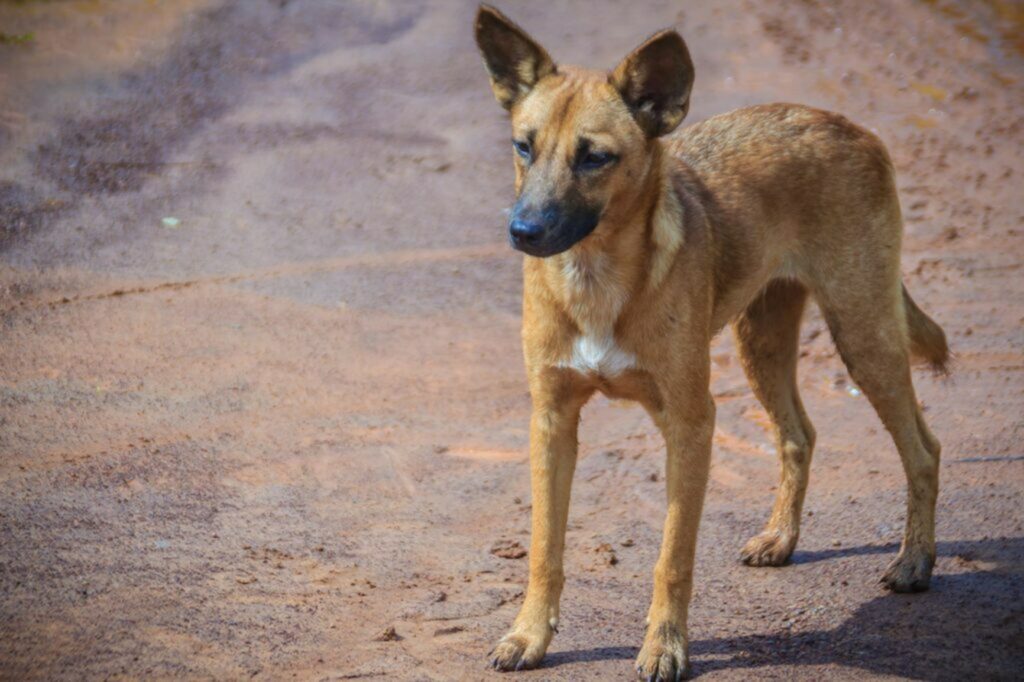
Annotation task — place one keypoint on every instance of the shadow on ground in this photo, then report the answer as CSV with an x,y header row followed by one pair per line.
x,y
919,636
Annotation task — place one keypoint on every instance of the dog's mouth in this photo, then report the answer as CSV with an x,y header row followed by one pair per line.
x,y
560,238
544,250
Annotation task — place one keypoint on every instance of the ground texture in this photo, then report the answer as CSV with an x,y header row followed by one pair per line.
x,y
261,392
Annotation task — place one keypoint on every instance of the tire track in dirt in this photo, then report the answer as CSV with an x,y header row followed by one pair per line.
x,y
388,259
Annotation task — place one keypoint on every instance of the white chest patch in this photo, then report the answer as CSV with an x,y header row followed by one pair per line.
x,y
599,355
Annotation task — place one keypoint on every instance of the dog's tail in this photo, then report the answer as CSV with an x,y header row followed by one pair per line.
x,y
927,340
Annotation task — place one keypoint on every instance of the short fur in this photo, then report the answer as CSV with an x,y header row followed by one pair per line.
x,y
735,220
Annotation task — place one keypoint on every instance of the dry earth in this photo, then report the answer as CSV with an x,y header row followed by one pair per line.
x,y
245,444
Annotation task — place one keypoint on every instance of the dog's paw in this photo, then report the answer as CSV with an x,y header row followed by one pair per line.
x,y
911,571
770,548
519,650
664,656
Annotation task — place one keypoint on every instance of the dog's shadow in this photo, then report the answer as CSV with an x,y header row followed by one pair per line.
x,y
968,625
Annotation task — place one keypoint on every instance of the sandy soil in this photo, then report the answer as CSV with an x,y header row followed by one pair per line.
x,y
245,444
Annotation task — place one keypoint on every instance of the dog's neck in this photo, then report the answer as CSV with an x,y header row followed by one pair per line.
x,y
595,280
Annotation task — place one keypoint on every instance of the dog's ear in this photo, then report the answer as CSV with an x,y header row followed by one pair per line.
x,y
513,59
655,82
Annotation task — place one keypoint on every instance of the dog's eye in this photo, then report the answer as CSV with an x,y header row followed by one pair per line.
x,y
595,160
522,148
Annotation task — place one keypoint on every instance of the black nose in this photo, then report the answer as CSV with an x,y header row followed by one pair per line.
x,y
524,231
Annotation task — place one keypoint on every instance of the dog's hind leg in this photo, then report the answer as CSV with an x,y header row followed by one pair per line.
x,y
869,325
768,334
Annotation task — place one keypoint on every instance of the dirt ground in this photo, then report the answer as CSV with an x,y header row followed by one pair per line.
x,y
261,386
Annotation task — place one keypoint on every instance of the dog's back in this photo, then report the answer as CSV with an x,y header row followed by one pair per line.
x,y
779,184
798,193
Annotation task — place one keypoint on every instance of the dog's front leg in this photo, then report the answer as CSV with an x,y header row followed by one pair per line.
x,y
553,444
687,429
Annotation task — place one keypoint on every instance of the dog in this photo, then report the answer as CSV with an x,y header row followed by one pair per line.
x,y
640,247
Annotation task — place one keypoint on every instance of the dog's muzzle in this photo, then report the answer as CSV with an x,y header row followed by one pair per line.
x,y
551,231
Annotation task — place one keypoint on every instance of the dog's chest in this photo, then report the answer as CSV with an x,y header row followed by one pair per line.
x,y
598,354
595,301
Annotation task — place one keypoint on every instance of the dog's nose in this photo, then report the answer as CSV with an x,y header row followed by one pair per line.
x,y
524,231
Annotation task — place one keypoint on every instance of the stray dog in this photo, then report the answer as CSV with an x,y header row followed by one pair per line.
x,y
641,247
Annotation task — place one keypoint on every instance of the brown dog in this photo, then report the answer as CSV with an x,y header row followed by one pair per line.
x,y
640,248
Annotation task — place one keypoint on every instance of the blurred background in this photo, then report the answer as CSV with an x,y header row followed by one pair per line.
x,y
262,406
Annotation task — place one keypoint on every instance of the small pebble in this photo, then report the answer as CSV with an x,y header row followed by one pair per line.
x,y
388,635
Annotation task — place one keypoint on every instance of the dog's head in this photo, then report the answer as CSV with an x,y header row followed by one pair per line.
x,y
581,140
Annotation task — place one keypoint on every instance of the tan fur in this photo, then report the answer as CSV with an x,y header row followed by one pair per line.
x,y
734,220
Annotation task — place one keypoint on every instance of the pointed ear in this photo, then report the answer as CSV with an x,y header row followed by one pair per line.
x,y
655,82
514,61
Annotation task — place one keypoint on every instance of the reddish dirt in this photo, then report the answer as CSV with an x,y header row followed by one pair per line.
x,y
249,444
